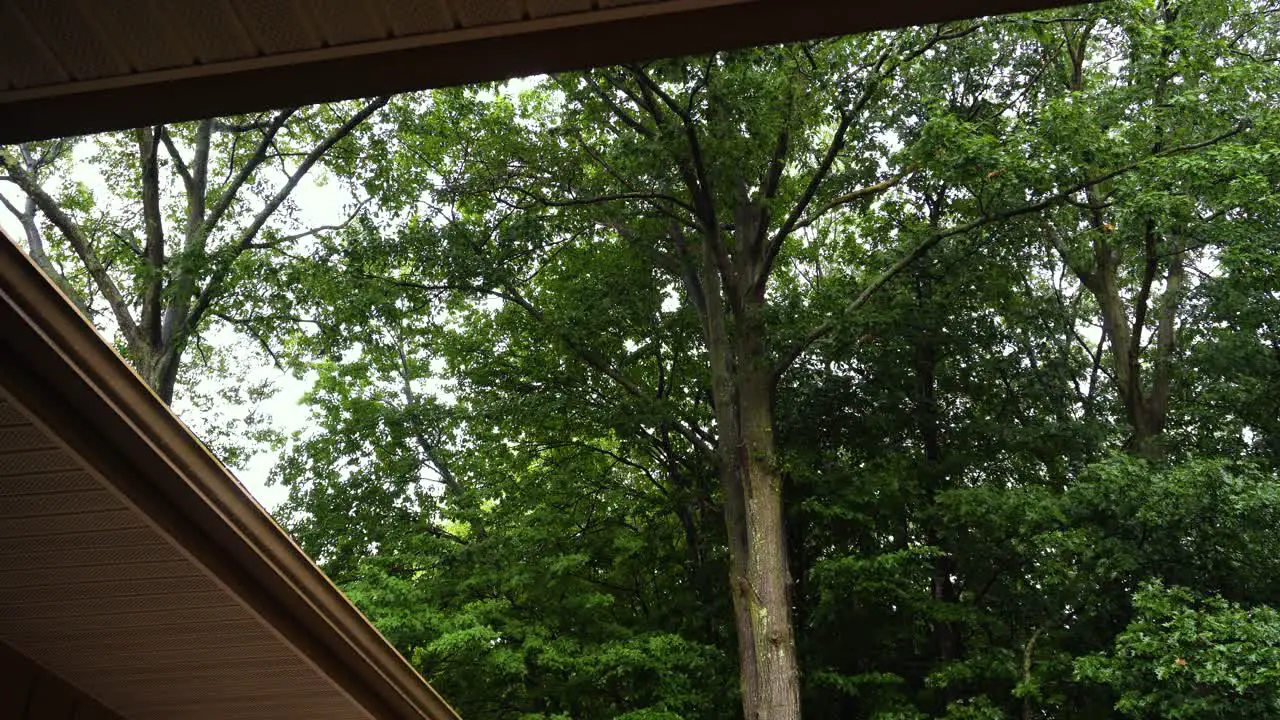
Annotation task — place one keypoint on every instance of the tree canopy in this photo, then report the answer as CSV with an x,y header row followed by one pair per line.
x,y
925,373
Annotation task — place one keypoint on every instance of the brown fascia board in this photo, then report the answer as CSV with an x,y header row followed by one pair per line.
x,y
80,390
499,53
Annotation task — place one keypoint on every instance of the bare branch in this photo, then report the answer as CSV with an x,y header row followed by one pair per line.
x,y
259,156
211,289
187,180
245,326
79,242
285,239
854,196
921,249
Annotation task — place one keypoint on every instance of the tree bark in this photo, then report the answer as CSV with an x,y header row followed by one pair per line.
x,y
743,388
760,575
768,566
1146,408
945,634
728,431
760,579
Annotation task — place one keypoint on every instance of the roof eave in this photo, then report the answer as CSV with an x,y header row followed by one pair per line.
x,y
505,51
76,386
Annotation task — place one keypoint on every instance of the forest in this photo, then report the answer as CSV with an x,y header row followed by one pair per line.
x,y
928,373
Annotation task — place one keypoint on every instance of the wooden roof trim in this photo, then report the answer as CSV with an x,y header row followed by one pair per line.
x,y
457,36
629,33
78,389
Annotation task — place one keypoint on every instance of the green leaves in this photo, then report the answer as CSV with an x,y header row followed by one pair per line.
x,y
1190,656
510,463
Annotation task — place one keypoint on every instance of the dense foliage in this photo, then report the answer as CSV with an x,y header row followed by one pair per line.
x,y
989,312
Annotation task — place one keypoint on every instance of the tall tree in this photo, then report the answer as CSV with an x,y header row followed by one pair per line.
x,y
183,205
708,191
1166,75
848,295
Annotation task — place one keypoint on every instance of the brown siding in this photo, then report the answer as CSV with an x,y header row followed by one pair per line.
x,y
30,692
119,611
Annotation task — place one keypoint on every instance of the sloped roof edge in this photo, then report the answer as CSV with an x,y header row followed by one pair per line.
x,y
77,386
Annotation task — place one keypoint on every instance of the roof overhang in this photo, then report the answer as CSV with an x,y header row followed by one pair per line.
x,y
137,569
69,67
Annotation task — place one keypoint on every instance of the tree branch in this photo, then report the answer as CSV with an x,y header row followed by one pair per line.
x,y
654,203
616,109
12,209
610,454
259,156
207,295
877,77
79,244
921,249
815,181
244,325
283,239
1151,266
187,180
698,182
593,360
859,194
598,200
223,126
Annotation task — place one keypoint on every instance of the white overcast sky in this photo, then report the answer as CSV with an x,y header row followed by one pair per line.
x,y
319,203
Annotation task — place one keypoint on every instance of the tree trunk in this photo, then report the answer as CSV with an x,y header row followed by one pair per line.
x,y
760,575
946,634
742,384
768,566
1146,409
160,371
725,396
